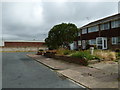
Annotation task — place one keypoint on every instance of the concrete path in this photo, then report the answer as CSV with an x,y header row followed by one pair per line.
x,y
100,75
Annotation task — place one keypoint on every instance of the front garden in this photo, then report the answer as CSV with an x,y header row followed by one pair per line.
x,y
82,57
62,35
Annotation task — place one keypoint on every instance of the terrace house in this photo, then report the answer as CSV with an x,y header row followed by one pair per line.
x,y
103,33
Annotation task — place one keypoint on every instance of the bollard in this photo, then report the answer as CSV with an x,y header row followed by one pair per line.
x,y
91,50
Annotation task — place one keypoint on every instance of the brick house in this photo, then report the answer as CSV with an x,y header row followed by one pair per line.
x,y
103,33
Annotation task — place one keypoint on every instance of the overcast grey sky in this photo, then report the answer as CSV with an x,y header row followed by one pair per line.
x,y
33,20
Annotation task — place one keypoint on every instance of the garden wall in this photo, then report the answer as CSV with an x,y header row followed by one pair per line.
x,y
67,59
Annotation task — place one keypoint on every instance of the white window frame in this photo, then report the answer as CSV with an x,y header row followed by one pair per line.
x,y
102,26
79,42
84,30
90,42
93,29
115,24
114,42
103,43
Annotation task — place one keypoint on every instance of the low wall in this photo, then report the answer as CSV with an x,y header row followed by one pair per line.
x,y
67,59
72,60
17,49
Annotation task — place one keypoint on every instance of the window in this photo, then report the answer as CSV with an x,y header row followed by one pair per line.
x,y
92,42
114,40
118,40
93,29
84,31
79,42
105,26
79,33
115,24
99,40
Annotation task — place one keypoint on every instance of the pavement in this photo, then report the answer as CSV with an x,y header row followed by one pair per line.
x,y
100,75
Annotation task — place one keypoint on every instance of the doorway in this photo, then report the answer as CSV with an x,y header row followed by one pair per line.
x,y
101,42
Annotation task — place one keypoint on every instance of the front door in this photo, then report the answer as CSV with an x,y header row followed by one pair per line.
x,y
101,42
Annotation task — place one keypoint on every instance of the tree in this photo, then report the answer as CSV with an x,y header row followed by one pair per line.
x,y
61,35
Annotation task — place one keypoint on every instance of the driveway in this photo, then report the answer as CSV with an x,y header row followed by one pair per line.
x,y
20,71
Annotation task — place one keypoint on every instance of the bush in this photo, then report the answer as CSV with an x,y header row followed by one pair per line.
x,y
117,50
62,51
66,52
105,54
118,54
84,55
49,54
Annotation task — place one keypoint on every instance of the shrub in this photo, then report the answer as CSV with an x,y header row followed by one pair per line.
x,y
66,52
62,51
84,55
118,54
105,54
117,50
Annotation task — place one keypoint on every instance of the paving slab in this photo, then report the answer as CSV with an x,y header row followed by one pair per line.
x,y
52,63
91,77
109,66
99,75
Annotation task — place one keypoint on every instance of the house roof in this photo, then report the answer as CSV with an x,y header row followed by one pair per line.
x,y
104,20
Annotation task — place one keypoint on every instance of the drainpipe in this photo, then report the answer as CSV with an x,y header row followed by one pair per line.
x,y
109,40
99,30
99,34
77,39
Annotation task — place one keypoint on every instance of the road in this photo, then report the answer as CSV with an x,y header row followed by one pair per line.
x,y
20,71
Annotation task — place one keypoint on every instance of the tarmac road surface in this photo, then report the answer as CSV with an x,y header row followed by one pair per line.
x,y
20,71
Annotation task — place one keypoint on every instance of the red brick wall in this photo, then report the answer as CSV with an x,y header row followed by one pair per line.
x,y
24,44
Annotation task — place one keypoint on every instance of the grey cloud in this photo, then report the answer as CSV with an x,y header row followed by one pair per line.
x,y
28,21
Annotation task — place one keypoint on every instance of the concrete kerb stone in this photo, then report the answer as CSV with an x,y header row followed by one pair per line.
x,y
51,67
73,80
